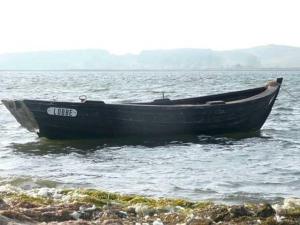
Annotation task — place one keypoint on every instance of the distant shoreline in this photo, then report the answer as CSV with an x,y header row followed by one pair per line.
x,y
159,70
268,57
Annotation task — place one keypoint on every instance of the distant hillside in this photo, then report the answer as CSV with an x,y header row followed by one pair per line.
x,y
270,56
276,55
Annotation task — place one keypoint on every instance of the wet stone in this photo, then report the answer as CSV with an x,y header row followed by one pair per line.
x,y
150,212
265,210
60,215
111,214
199,221
112,222
157,222
15,215
4,220
121,214
75,215
27,205
131,211
270,221
219,213
78,222
173,218
3,204
89,213
239,211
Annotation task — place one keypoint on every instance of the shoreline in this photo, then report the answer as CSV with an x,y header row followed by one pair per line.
x,y
93,206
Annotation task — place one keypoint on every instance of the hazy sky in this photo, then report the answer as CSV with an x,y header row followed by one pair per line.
x,y
122,26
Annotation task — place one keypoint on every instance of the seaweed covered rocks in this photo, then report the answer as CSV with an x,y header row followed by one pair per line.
x,y
88,206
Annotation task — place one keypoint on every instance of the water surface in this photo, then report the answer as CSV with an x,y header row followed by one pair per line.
x,y
251,167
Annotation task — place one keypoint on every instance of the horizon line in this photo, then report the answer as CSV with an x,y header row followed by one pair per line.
x,y
117,70
154,49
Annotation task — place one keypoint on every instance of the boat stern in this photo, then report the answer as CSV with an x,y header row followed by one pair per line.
x,y
22,114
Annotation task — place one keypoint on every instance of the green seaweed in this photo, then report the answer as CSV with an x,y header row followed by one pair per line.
x,y
202,205
169,210
143,200
292,212
101,198
269,221
66,191
30,199
99,194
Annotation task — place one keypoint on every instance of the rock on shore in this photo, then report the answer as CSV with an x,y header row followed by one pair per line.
x,y
88,206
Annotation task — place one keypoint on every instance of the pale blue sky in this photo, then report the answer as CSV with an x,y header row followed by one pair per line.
x,y
123,26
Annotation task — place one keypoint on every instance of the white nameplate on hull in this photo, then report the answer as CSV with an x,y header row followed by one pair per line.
x,y
55,111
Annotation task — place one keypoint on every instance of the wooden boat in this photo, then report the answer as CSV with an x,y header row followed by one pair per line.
x,y
239,111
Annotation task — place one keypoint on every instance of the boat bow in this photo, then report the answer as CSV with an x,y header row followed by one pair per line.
x,y
22,114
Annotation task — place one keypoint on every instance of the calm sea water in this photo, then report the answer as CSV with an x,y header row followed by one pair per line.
x,y
265,166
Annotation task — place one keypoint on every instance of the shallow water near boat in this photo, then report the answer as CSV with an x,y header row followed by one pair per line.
x,y
232,168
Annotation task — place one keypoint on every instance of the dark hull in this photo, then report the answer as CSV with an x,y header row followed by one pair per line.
x,y
242,111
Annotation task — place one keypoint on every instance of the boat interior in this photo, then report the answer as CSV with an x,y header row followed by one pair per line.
x,y
210,99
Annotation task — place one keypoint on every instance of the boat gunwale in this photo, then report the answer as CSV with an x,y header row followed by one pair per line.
x,y
268,90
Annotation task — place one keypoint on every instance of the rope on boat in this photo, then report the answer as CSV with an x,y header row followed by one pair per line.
x,y
286,91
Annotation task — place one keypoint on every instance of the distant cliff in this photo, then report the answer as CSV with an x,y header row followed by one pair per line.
x,y
270,56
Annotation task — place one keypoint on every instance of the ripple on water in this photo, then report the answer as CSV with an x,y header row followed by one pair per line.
x,y
236,168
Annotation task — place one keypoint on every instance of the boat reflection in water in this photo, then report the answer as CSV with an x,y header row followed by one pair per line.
x,y
44,146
